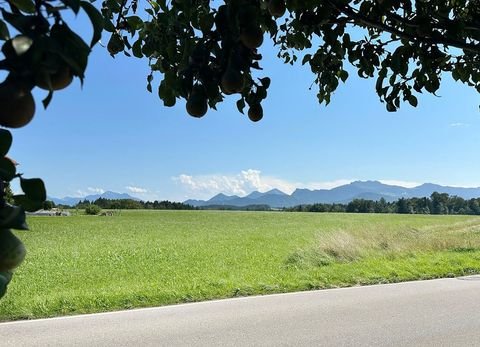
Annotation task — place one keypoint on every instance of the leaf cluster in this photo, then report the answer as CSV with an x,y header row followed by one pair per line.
x,y
39,47
13,216
39,50
406,45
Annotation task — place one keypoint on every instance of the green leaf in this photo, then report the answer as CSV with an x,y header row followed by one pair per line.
x,y
137,49
241,105
24,5
306,58
166,93
455,75
108,25
343,75
432,84
391,107
5,141
20,22
413,100
47,100
162,4
261,93
265,82
7,169
379,85
4,33
96,19
28,204
73,4
397,61
7,274
71,48
13,217
34,189
134,22
3,285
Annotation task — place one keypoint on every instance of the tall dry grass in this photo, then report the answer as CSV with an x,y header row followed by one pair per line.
x,y
377,240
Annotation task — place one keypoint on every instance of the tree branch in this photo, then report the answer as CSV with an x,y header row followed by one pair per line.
x,y
362,20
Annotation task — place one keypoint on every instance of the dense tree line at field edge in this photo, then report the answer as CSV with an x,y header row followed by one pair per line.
x,y
130,204
437,203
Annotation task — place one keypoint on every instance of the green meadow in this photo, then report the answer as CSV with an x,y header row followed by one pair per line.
x,y
84,264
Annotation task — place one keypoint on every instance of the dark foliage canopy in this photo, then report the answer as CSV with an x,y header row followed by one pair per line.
x,y
211,51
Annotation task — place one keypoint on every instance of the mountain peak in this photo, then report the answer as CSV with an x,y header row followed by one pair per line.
x,y
220,198
429,185
220,195
255,194
368,183
276,192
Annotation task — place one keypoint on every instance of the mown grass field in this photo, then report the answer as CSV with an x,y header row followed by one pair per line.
x,y
85,264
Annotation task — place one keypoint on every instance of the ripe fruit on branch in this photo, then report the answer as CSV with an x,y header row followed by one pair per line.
x,y
277,8
17,106
58,80
199,55
241,57
255,112
252,36
197,102
226,92
12,250
232,81
248,14
221,20
115,44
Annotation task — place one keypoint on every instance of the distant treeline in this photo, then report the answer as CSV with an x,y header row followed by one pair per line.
x,y
236,208
129,204
437,203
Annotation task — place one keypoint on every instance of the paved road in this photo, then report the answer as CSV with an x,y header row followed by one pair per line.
x,y
442,312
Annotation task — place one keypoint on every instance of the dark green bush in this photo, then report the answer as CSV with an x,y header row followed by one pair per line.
x,y
93,209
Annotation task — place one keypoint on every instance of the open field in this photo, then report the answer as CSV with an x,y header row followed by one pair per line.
x,y
85,264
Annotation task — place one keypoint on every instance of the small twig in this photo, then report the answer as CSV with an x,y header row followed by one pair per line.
x,y
120,13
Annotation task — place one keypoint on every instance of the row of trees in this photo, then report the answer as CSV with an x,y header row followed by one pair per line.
x,y
129,204
437,203
260,207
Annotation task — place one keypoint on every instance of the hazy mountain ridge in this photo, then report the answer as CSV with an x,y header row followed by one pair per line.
x,y
71,201
369,190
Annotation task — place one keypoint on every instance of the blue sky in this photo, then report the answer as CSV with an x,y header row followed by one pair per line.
x,y
114,135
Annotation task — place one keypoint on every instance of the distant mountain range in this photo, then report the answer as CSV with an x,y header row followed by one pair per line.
x,y
71,201
370,190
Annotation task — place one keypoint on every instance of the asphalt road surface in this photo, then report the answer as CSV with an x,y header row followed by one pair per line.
x,y
442,312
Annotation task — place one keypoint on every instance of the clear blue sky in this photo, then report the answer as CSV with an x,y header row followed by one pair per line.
x,y
114,135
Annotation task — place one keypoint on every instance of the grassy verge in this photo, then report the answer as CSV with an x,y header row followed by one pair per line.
x,y
83,264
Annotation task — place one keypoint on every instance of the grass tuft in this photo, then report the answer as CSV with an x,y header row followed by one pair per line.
x,y
354,244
